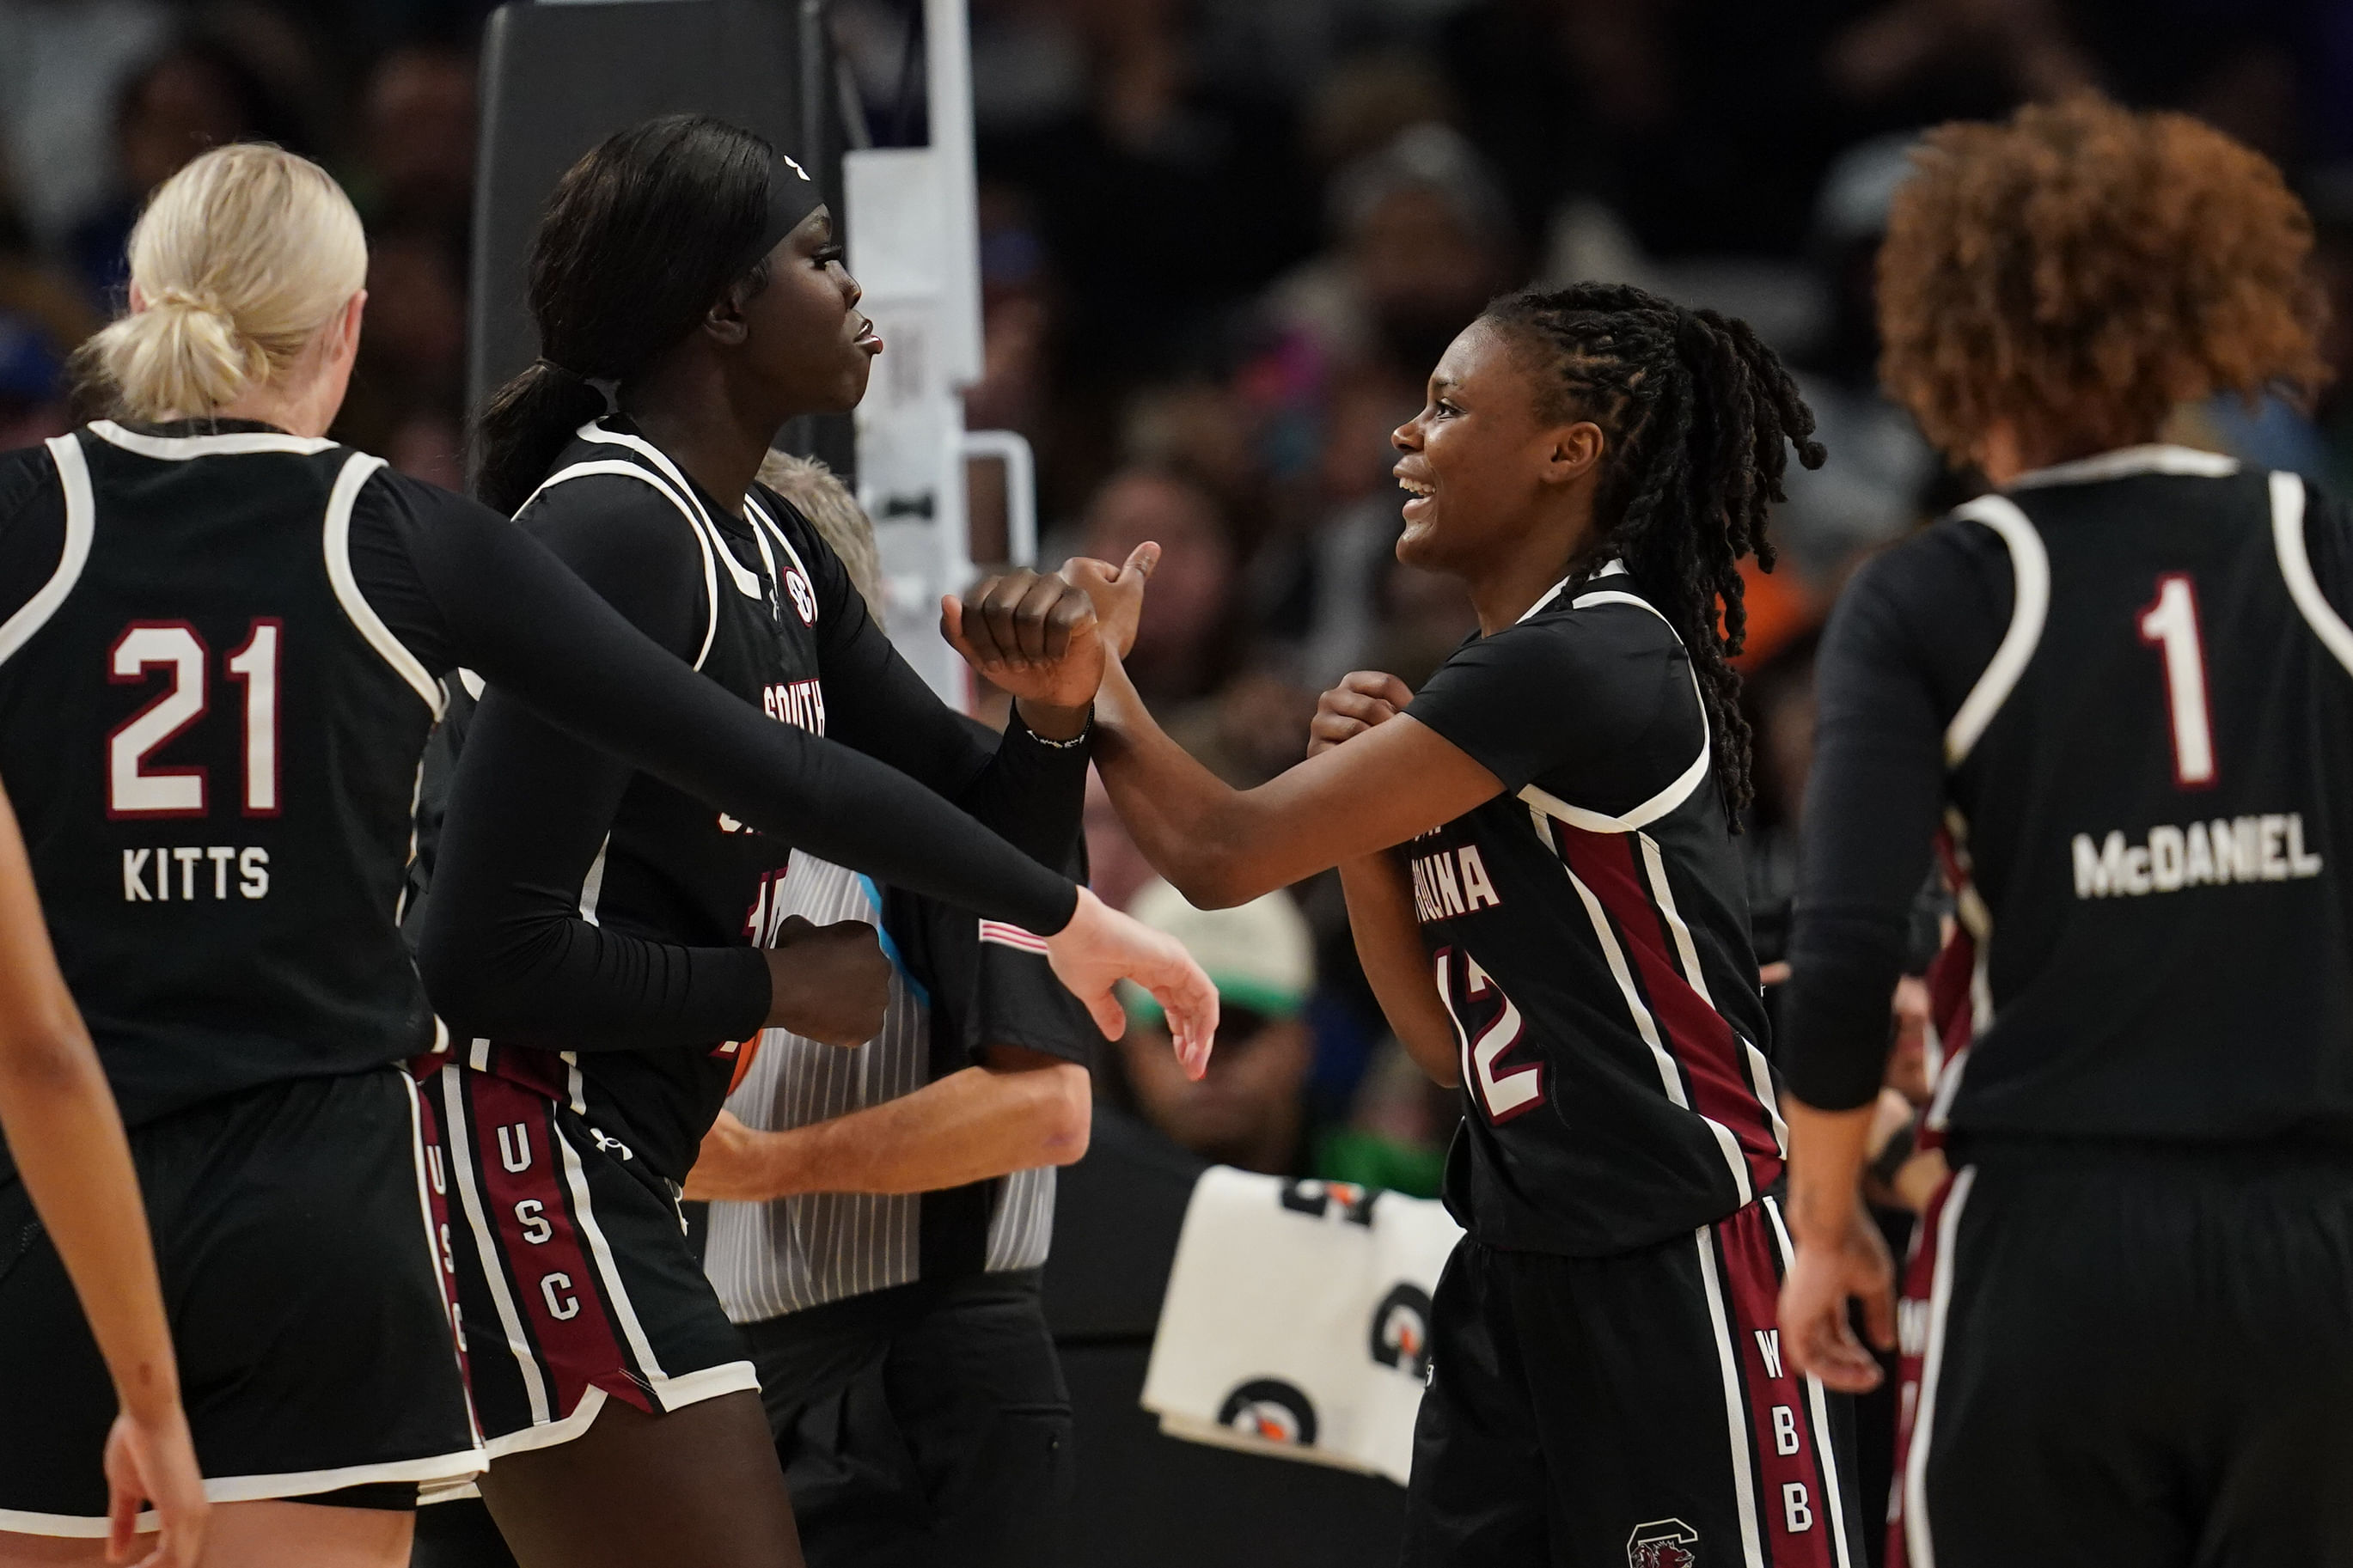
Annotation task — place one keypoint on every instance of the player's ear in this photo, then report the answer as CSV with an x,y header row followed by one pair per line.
x,y
724,321
1576,451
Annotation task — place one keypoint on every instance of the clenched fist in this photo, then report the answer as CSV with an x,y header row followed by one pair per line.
x,y
829,983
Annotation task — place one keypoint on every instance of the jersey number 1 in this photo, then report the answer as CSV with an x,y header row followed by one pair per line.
x,y
136,788
2170,622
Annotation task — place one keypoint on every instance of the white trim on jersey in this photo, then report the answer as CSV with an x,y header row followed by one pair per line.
x,y
695,525
1736,1409
180,448
1612,568
2157,457
1917,1538
761,514
2296,565
1667,799
1670,1072
2030,567
444,1270
486,1248
592,884
1817,1406
81,527
357,470
745,583
1760,1075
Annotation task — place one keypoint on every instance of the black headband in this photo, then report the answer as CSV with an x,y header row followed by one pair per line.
x,y
792,196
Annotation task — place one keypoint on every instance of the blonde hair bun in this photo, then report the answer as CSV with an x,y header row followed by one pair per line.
x,y
239,260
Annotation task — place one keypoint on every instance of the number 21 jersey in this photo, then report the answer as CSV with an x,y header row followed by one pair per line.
x,y
211,741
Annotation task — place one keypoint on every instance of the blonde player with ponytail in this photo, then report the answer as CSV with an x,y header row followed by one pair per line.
x,y
222,643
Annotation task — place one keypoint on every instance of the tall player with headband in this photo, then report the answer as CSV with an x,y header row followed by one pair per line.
x,y
2120,688
221,643
1537,854
604,941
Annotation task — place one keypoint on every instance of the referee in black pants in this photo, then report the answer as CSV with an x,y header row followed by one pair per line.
x,y
882,1214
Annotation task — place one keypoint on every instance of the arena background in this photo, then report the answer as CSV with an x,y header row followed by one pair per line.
x,y
1221,243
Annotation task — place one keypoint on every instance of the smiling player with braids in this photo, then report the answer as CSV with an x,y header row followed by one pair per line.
x,y
1538,860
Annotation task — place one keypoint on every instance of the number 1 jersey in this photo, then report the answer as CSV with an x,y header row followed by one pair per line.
x,y
1588,931
211,741
2150,810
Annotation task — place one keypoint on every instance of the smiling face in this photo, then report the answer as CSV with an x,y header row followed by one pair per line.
x,y
804,335
1482,465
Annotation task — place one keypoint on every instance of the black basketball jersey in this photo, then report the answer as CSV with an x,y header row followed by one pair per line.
x,y
211,740
674,869
1588,931
2151,813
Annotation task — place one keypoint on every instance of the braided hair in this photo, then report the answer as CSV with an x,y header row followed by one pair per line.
x,y
1696,414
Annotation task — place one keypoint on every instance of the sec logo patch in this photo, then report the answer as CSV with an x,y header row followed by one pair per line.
x,y
804,597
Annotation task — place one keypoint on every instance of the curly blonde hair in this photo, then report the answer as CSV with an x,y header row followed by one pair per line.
x,y
2083,270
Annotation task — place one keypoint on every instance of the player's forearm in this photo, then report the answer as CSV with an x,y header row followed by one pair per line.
x,y
61,1125
1827,1152
1388,944
971,1126
1207,837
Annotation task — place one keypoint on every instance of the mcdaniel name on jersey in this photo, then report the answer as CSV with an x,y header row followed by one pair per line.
x,y
2268,848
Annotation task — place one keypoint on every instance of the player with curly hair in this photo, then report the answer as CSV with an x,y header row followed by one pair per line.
x,y
2117,690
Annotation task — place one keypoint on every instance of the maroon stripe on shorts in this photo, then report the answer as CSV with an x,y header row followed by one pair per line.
x,y
1797,1514
557,1287
1694,1034
1911,1341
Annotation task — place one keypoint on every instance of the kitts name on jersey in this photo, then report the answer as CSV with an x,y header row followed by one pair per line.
x,y
204,872
1451,882
2268,848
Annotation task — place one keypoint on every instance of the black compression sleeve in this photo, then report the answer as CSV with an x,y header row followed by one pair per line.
x,y
1032,792
504,942
514,613
1909,639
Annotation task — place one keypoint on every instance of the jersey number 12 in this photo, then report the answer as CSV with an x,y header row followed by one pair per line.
x,y
2170,622
1501,1095
134,786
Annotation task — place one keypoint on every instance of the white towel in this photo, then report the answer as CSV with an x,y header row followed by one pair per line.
x,y
1297,1320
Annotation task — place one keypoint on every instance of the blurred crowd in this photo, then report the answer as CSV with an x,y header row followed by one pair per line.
x,y
1222,243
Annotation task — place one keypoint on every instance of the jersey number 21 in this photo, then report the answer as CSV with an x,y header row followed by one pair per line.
x,y
136,787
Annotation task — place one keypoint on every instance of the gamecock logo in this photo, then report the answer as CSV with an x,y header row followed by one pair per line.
x,y
1662,1543
1402,1330
1270,1408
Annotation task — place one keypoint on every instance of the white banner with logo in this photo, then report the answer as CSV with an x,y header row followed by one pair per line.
x,y
1297,1320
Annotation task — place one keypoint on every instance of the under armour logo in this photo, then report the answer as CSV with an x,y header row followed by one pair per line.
x,y
604,1143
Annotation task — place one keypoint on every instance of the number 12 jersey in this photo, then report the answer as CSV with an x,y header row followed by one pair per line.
x,y
1588,931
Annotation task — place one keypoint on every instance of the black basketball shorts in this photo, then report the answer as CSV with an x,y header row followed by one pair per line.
x,y
575,1281
295,1230
2128,1356
1628,1412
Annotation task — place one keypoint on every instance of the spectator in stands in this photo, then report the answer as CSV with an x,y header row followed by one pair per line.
x,y
199,94
1185,644
1246,1111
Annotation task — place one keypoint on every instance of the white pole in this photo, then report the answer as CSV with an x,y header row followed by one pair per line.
x,y
947,62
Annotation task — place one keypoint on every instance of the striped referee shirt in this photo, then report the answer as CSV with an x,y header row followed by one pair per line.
x,y
957,985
